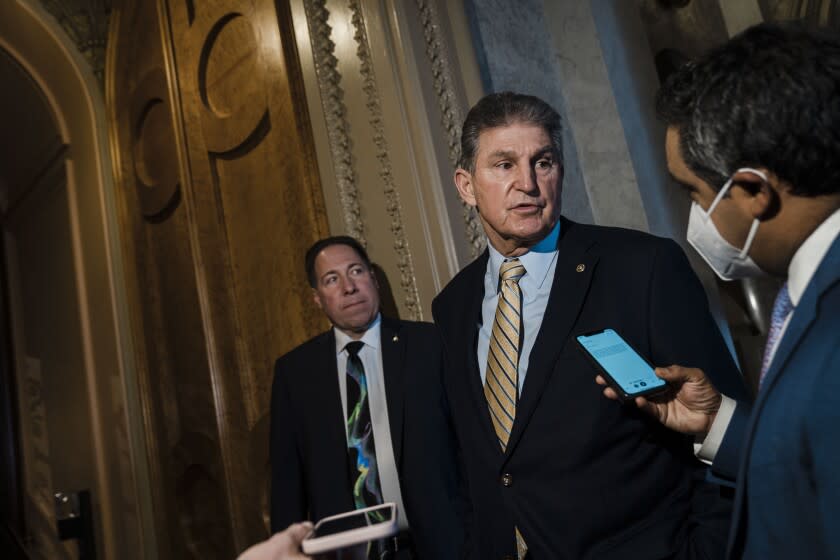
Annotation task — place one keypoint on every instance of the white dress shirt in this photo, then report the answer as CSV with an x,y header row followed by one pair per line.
x,y
803,265
371,357
539,262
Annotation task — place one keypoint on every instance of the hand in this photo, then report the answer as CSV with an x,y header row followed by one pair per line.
x,y
690,406
284,545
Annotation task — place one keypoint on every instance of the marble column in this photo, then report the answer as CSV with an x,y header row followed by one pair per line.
x,y
515,52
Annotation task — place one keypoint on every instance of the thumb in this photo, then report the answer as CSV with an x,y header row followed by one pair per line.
x,y
298,531
678,374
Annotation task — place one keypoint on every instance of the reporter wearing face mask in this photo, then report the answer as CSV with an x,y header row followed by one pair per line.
x,y
754,137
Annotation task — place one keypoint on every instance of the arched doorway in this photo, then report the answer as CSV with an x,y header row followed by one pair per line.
x,y
67,373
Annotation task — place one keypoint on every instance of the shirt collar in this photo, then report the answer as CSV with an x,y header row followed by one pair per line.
x,y
370,338
810,254
537,261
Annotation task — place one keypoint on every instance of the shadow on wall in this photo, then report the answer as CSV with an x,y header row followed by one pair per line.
x,y
387,303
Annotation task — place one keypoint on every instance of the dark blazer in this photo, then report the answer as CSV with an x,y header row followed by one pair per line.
x,y
584,476
309,460
785,448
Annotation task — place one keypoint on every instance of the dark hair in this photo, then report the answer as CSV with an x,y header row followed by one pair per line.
x,y
769,97
505,108
321,244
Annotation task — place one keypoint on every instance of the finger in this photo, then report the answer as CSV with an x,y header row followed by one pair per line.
x,y
647,406
600,380
611,394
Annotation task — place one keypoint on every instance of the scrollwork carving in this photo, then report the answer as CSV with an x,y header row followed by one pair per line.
x,y
86,22
450,110
335,113
155,165
392,198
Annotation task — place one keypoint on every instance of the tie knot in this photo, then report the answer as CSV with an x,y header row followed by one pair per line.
x,y
511,270
353,348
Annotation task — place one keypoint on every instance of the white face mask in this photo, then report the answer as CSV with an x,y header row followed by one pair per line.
x,y
726,260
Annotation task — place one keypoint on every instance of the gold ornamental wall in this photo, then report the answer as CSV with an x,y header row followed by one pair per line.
x,y
242,131
219,196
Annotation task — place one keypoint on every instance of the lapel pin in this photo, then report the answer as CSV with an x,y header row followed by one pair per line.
x,y
580,267
395,339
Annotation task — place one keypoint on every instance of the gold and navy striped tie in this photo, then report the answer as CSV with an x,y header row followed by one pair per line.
x,y
501,384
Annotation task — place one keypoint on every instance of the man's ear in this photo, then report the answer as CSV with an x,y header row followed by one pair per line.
x,y
763,196
317,299
464,183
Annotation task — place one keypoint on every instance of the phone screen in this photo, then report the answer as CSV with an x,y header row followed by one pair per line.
x,y
362,518
629,370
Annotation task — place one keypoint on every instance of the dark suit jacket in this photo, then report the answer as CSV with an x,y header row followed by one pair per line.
x,y
785,448
589,477
309,459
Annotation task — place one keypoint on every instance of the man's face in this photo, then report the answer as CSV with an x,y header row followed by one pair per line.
x,y
515,186
346,289
729,216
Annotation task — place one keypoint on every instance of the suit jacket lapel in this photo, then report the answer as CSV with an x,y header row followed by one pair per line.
x,y
394,372
334,430
824,278
464,324
573,273
799,323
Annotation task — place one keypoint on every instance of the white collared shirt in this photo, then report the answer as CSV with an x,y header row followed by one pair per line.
x,y
539,262
371,357
801,269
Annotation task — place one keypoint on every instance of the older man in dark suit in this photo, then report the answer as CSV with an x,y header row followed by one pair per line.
x,y
358,416
553,470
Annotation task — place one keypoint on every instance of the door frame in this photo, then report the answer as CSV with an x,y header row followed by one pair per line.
x,y
39,44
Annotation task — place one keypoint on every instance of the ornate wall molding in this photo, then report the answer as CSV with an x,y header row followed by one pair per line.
x,y
86,22
450,110
37,467
335,113
392,198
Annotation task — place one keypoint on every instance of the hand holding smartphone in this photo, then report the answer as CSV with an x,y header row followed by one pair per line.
x,y
352,528
624,369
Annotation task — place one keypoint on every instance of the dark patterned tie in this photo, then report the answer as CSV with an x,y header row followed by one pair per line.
x,y
363,471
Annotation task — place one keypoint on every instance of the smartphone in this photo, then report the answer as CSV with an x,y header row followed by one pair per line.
x,y
628,373
352,528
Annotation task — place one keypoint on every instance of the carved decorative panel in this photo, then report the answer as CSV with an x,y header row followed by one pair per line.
x,y
155,162
176,388
257,206
220,199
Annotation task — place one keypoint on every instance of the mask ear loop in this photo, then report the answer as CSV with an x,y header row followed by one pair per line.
x,y
750,236
719,197
754,226
728,184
